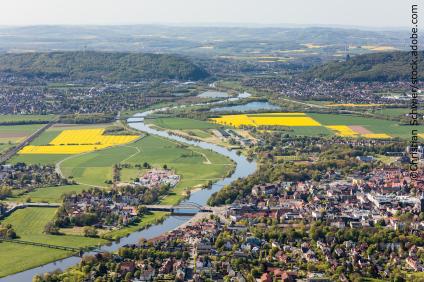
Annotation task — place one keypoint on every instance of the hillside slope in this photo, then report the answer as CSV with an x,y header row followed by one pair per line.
x,y
100,66
387,66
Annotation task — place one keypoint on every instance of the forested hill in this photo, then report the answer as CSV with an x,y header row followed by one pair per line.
x,y
100,66
387,66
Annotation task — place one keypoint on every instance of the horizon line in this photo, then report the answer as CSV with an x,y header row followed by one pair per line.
x,y
216,24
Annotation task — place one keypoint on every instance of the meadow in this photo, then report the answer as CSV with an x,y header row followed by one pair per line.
x,y
26,257
29,225
48,159
48,194
14,119
147,220
181,123
195,166
392,112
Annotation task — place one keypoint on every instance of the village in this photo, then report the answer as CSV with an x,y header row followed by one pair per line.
x,y
116,208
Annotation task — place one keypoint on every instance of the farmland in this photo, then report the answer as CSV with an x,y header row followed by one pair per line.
x,y
29,225
192,127
272,119
45,138
76,141
25,119
377,126
181,123
48,194
25,257
11,135
315,124
16,132
195,166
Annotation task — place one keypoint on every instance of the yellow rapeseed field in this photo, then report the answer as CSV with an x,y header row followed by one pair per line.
x,y
277,119
376,135
343,130
278,114
79,141
346,131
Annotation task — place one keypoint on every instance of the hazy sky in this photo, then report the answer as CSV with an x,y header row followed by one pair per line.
x,y
375,13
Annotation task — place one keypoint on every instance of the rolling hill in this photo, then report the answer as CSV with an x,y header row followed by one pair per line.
x,y
104,66
386,66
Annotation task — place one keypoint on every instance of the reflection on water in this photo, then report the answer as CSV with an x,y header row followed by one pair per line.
x,y
249,107
213,94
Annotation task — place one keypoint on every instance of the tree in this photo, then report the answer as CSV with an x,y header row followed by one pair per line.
x,y
50,228
90,231
128,276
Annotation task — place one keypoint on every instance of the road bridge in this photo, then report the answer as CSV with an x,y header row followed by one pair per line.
x,y
185,208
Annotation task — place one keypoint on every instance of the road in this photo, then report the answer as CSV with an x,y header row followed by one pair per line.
x,y
10,153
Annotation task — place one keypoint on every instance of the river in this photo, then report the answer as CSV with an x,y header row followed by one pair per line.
x,y
243,168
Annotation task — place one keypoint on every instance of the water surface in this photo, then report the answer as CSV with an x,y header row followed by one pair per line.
x,y
249,107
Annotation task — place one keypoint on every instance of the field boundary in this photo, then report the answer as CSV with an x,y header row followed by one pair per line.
x,y
10,153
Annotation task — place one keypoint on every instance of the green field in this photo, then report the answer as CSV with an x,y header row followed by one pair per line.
x,y
147,220
198,133
48,159
312,131
181,123
45,137
26,257
375,125
48,194
4,147
392,112
195,166
55,130
29,225
4,119
13,134
26,129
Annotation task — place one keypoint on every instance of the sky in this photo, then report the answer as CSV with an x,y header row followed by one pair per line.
x,y
367,13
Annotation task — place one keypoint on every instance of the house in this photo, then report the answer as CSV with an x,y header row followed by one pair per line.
x,y
166,266
147,273
264,189
414,264
288,276
127,266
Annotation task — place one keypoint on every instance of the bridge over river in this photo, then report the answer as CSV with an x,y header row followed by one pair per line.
x,y
184,208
